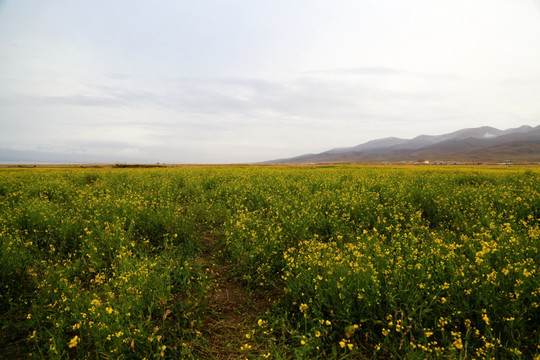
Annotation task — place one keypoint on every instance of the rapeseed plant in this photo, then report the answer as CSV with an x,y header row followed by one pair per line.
x,y
367,261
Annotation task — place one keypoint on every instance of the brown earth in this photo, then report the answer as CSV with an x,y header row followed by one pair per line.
x,y
233,310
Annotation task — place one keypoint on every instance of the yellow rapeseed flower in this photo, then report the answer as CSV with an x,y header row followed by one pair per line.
x,y
73,342
485,318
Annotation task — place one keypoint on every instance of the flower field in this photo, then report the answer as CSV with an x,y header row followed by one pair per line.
x,y
360,262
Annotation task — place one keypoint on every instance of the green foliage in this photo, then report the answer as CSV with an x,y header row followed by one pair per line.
x,y
419,262
367,262
97,264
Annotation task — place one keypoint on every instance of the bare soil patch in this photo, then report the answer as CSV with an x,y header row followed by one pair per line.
x,y
233,310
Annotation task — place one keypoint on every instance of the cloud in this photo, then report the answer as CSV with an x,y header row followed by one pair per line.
x,y
369,70
311,98
234,118
76,100
104,97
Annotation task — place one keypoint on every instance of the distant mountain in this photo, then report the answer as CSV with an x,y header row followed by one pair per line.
x,y
370,145
475,144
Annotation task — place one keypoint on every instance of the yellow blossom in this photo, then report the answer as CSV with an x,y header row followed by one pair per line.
x,y
485,318
73,342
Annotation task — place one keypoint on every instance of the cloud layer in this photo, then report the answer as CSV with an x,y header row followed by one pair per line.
x,y
243,82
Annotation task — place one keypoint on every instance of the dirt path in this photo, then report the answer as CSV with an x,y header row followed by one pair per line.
x,y
233,310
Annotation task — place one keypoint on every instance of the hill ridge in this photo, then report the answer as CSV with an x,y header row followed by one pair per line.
x,y
483,143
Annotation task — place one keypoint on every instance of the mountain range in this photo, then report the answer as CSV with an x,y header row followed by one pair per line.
x,y
482,144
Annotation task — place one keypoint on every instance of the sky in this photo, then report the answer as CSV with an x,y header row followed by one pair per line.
x,y
237,81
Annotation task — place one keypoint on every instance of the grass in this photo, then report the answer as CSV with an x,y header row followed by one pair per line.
x,y
270,262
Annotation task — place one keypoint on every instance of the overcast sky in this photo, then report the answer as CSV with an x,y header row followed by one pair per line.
x,y
243,81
